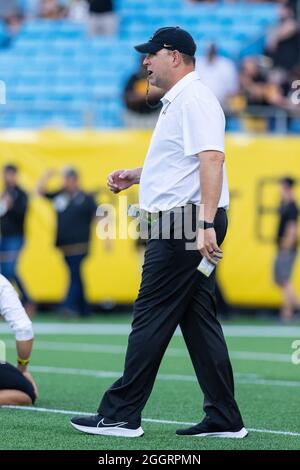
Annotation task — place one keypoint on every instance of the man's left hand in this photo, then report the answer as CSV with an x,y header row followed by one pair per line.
x,y
207,245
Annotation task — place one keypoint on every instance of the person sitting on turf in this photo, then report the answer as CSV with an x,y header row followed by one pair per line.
x,y
17,386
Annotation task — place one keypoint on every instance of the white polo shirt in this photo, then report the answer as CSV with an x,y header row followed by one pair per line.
x,y
191,121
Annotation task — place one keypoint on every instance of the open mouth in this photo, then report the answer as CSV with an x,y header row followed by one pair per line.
x,y
150,73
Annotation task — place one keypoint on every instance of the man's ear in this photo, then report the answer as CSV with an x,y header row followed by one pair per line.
x,y
177,58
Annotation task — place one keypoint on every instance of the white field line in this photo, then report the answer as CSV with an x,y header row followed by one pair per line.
x,y
174,352
104,329
261,356
242,379
146,420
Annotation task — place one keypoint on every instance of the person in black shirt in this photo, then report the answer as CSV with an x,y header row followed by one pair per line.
x,y
142,101
101,6
103,19
13,208
135,93
286,240
75,212
283,42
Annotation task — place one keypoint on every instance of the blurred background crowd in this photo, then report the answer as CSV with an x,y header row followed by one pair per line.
x,y
71,62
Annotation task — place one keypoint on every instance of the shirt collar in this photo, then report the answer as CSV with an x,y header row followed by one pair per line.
x,y
179,86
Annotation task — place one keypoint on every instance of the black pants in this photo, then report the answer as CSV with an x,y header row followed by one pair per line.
x,y
75,298
173,292
12,379
10,250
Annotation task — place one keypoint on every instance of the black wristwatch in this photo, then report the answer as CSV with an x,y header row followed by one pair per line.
x,y
204,225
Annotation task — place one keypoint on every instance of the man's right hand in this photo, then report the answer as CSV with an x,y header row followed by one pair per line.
x,y
122,179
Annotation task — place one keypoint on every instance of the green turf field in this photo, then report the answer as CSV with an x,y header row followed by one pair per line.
x,y
75,362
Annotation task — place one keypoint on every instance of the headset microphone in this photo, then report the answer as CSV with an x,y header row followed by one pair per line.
x,y
152,106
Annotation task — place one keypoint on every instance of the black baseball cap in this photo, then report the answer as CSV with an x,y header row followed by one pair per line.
x,y
172,38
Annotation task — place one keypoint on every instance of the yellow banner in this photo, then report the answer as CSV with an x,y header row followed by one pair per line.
x,y
253,164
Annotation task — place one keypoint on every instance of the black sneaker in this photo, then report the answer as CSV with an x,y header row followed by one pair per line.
x,y
97,424
207,429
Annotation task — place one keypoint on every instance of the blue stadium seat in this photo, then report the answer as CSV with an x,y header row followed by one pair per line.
x,y
52,29
58,73
294,127
3,33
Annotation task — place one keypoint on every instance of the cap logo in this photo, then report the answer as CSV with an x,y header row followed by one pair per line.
x,y
168,45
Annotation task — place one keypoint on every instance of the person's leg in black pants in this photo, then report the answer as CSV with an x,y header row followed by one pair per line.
x,y
170,283
75,299
163,298
10,248
168,290
15,388
204,338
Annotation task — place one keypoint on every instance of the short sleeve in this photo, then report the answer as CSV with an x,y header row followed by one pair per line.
x,y
203,124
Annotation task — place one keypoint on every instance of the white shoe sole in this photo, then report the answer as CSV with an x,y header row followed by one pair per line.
x,y
113,431
233,435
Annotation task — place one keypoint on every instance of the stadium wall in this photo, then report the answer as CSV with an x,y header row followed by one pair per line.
x,y
254,165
